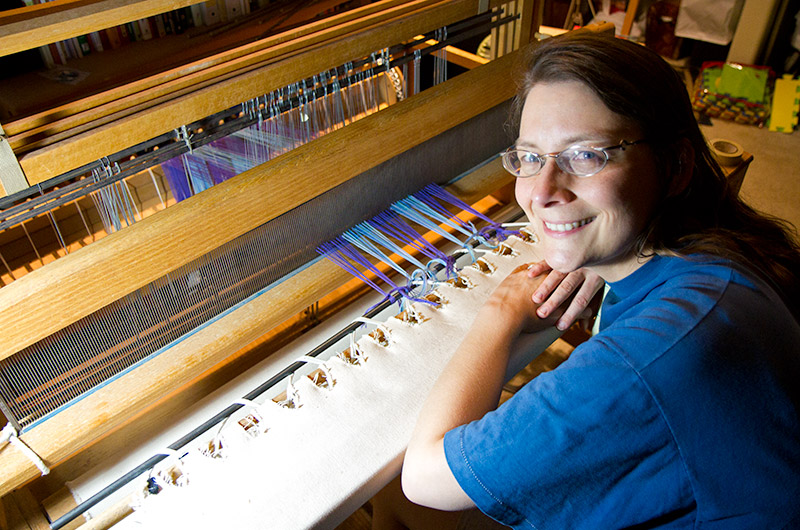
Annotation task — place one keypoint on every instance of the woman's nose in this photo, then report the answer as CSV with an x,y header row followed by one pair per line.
x,y
550,186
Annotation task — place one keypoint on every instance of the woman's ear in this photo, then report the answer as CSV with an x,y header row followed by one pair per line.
x,y
683,169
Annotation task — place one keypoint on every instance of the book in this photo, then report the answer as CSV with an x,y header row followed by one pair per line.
x,y
233,9
95,41
57,51
83,42
211,12
181,21
144,29
161,28
132,29
113,36
196,11
47,56
73,48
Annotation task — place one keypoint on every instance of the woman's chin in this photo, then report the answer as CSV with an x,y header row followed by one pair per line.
x,y
561,263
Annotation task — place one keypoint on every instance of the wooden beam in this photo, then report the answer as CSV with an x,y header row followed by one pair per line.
x,y
33,26
457,56
59,503
529,21
31,510
10,516
464,59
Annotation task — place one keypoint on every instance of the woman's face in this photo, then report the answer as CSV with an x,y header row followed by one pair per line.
x,y
589,221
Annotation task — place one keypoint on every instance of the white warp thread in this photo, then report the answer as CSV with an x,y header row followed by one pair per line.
x,y
9,434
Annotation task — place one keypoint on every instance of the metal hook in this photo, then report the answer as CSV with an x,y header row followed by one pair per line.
x,y
183,135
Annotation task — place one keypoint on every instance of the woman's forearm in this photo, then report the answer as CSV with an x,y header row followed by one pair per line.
x,y
468,388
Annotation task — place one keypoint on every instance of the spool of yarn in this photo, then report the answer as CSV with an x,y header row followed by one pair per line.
x,y
726,152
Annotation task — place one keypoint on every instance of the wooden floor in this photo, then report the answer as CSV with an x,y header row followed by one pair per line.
x,y
360,520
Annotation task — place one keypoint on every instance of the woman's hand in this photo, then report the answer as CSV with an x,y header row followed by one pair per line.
x,y
581,285
512,304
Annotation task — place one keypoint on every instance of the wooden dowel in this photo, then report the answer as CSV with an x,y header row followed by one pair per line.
x,y
630,17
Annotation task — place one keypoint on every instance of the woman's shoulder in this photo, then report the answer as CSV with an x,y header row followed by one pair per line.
x,y
709,283
686,288
699,280
694,300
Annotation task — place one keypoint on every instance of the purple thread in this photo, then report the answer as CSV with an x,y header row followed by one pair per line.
x,y
493,229
343,253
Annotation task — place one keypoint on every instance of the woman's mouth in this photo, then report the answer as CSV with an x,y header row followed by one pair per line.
x,y
567,227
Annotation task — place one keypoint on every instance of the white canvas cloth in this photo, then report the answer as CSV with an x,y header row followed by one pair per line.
x,y
316,464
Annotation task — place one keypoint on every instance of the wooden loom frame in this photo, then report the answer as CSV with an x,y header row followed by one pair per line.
x,y
68,289
86,130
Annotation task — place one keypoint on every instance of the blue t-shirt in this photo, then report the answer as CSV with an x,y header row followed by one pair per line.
x,y
683,412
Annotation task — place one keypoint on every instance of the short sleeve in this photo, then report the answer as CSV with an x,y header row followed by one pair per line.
x,y
575,444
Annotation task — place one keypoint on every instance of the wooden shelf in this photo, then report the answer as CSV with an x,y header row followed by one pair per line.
x,y
26,28
36,92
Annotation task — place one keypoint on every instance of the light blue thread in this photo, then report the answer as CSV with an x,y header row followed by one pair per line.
x,y
373,251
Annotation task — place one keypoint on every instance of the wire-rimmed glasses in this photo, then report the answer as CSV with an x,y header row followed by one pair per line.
x,y
579,161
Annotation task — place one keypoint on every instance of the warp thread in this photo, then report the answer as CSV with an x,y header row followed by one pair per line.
x,y
10,435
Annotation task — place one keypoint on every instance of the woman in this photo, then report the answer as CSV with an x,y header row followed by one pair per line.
x,y
683,411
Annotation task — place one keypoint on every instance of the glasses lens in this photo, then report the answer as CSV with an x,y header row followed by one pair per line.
x,y
583,161
522,163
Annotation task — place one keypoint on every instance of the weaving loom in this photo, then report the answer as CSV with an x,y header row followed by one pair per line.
x,y
288,143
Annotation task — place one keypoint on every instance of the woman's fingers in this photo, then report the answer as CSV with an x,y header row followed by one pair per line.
x,y
555,289
579,306
578,288
538,268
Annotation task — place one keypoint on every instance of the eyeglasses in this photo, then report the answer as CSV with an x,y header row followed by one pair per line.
x,y
578,161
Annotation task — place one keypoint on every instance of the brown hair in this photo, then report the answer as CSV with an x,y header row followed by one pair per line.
x,y
707,216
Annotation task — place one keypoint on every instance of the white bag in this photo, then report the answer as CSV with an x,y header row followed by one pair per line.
x,y
712,21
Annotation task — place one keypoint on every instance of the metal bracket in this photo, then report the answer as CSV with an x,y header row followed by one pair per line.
x,y
184,135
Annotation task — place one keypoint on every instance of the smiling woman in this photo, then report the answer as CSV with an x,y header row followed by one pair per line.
x,y
587,221
683,410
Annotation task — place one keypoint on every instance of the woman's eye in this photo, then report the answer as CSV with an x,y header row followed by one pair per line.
x,y
528,158
584,155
